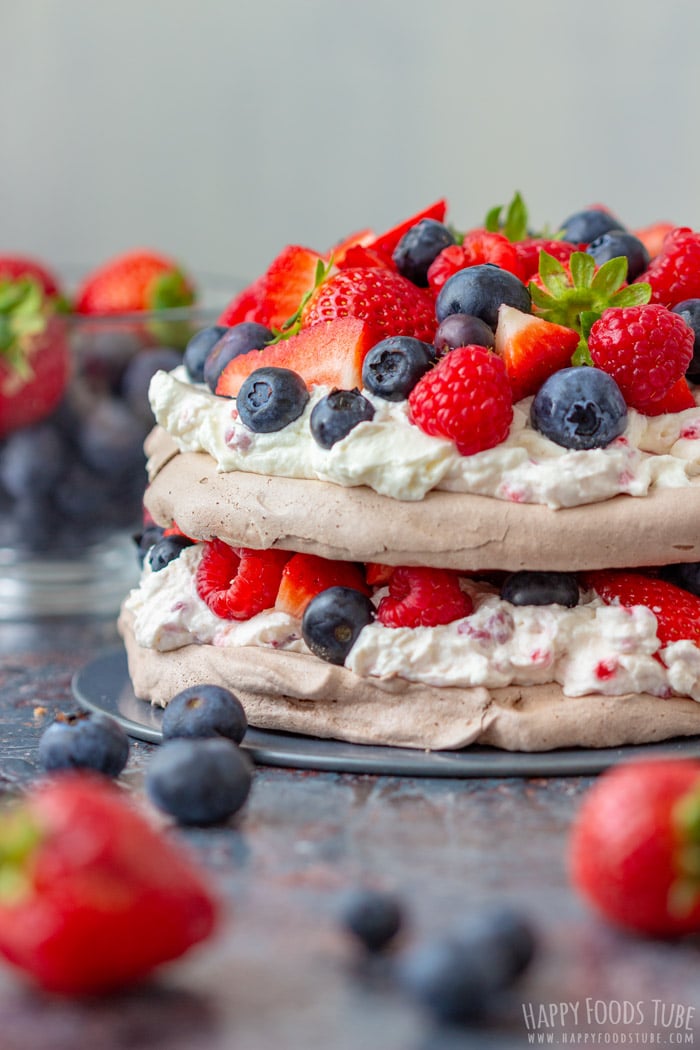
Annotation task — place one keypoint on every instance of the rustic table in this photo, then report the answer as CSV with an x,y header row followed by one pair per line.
x,y
281,973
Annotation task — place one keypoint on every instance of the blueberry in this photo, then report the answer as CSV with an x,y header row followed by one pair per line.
x,y
480,290
138,375
240,339
33,460
204,711
419,247
392,367
371,916
463,330
110,439
199,348
199,781
579,407
84,741
167,549
617,243
689,310
541,588
504,941
145,539
584,226
447,979
685,575
335,415
271,398
332,621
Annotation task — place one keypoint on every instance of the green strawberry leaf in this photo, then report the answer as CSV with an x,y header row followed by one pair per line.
x,y
492,222
611,276
514,224
582,268
632,295
293,324
23,314
169,291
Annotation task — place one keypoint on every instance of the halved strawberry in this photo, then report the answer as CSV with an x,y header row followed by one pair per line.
x,y
677,611
532,349
306,575
355,240
386,242
329,354
420,597
274,297
678,398
238,583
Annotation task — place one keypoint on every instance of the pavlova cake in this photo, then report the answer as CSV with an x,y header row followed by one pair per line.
x,y
435,488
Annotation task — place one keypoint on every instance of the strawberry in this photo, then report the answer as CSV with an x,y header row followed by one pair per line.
x,y
93,897
674,274
465,398
385,243
677,611
652,237
377,574
421,597
528,253
306,575
237,583
360,239
532,349
634,846
646,349
135,281
388,302
34,355
328,354
678,398
478,246
13,267
275,296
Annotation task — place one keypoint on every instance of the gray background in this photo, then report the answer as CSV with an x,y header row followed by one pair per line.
x,y
217,131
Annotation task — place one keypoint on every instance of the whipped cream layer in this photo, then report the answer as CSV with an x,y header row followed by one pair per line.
x,y
395,458
591,648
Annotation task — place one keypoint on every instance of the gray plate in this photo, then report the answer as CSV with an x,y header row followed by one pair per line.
x,y
104,685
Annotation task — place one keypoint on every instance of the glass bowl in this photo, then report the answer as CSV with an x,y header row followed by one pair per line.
x,y
71,485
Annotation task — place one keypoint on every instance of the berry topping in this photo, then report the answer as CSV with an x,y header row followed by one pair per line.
x,y
372,917
677,611
199,781
466,398
239,339
579,407
84,741
421,597
329,354
528,252
674,274
480,290
393,367
135,281
689,310
198,348
271,398
386,242
238,583
616,244
205,710
167,549
532,349
645,348
462,330
653,237
477,247
306,575
332,621
540,588
678,398
335,415
584,226
275,296
388,302
419,247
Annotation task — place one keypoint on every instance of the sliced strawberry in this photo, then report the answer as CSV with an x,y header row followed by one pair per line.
x,y
327,354
377,574
360,255
532,349
355,240
678,398
274,297
653,237
386,242
306,575
237,583
677,611
420,597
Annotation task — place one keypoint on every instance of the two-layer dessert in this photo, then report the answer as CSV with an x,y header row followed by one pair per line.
x,y
437,488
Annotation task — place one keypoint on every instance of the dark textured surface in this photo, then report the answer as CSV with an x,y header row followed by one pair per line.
x,y
281,974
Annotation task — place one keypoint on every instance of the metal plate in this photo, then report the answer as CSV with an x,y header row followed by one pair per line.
x,y
104,685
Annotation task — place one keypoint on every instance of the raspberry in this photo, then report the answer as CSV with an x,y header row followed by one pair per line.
x,y
674,274
477,247
421,597
646,349
465,398
237,583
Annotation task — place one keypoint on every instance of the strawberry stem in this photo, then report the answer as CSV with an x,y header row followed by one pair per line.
x,y
293,324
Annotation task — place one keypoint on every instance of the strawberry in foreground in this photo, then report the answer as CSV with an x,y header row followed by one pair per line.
x,y
677,611
92,897
133,282
15,267
532,349
634,847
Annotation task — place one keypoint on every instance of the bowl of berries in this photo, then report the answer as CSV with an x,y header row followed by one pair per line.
x,y
76,359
